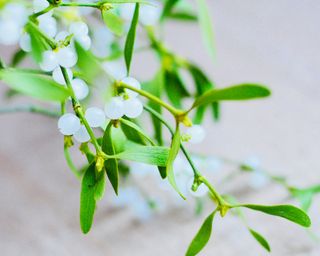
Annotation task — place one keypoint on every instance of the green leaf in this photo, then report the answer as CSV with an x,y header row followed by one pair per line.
x,y
182,16
87,63
237,92
129,45
38,44
206,26
111,164
174,150
288,212
134,133
100,185
18,57
169,4
175,88
113,22
202,237
260,239
155,87
154,155
35,85
87,199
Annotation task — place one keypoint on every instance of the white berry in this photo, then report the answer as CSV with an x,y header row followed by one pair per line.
x,y
48,25
67,57
25,42
82,135
49,61
95,117
68,124
58,76
39,5
81,89
133,107
132,82
9,31
79,29
197,134
61,36
115,108
84,41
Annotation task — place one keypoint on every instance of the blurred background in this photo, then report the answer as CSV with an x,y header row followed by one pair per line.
x,y
275,43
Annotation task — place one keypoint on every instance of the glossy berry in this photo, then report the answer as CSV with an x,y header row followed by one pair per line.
x,y
25,42
132,82
78,28
197,134
67,57
133,107
95,117
81,89
48,25
82,135
49,61
68,124
115,108
58,76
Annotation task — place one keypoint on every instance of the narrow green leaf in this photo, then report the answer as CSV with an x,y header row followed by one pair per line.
x,y
168,6
87,199
35,85
205,23
129,45
18,57
154,155
111,164
182,16
202,237
260,239
237,92
288,212
100,185
113,22
134,133
174,150
38,45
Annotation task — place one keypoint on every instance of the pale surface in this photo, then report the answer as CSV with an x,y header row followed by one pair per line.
x,y
272,42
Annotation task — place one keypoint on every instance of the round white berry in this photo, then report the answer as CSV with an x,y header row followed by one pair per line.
x,y
25,42
133,107
197,134
84,41
80,88
10,32
79,29
15,12
68,124
61,36
115,108
82,135
49,61
201,191
39,5
48,25
67,57
58,76
132,82
95,117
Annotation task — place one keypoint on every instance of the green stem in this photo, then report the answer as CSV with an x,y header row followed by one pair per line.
x,y
78,110
75,4
53,44
71,165
175,112
30,109
37,14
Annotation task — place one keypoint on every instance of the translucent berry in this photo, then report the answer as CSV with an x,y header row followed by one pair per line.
x,y
115,108
25,42
39,5
82,135
61,35
81,89
58,76
132,82
115,68
84,41
48,25
133,107
10,32
49,61
68,124
79,29
197,134
67,57
15,12
95,117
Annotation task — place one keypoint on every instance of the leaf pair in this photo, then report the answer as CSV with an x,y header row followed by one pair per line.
x,y
92,190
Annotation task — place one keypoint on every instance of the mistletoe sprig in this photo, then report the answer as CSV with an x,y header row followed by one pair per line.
x,y
70,63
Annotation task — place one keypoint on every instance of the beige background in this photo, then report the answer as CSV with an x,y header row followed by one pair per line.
x,y
272,42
